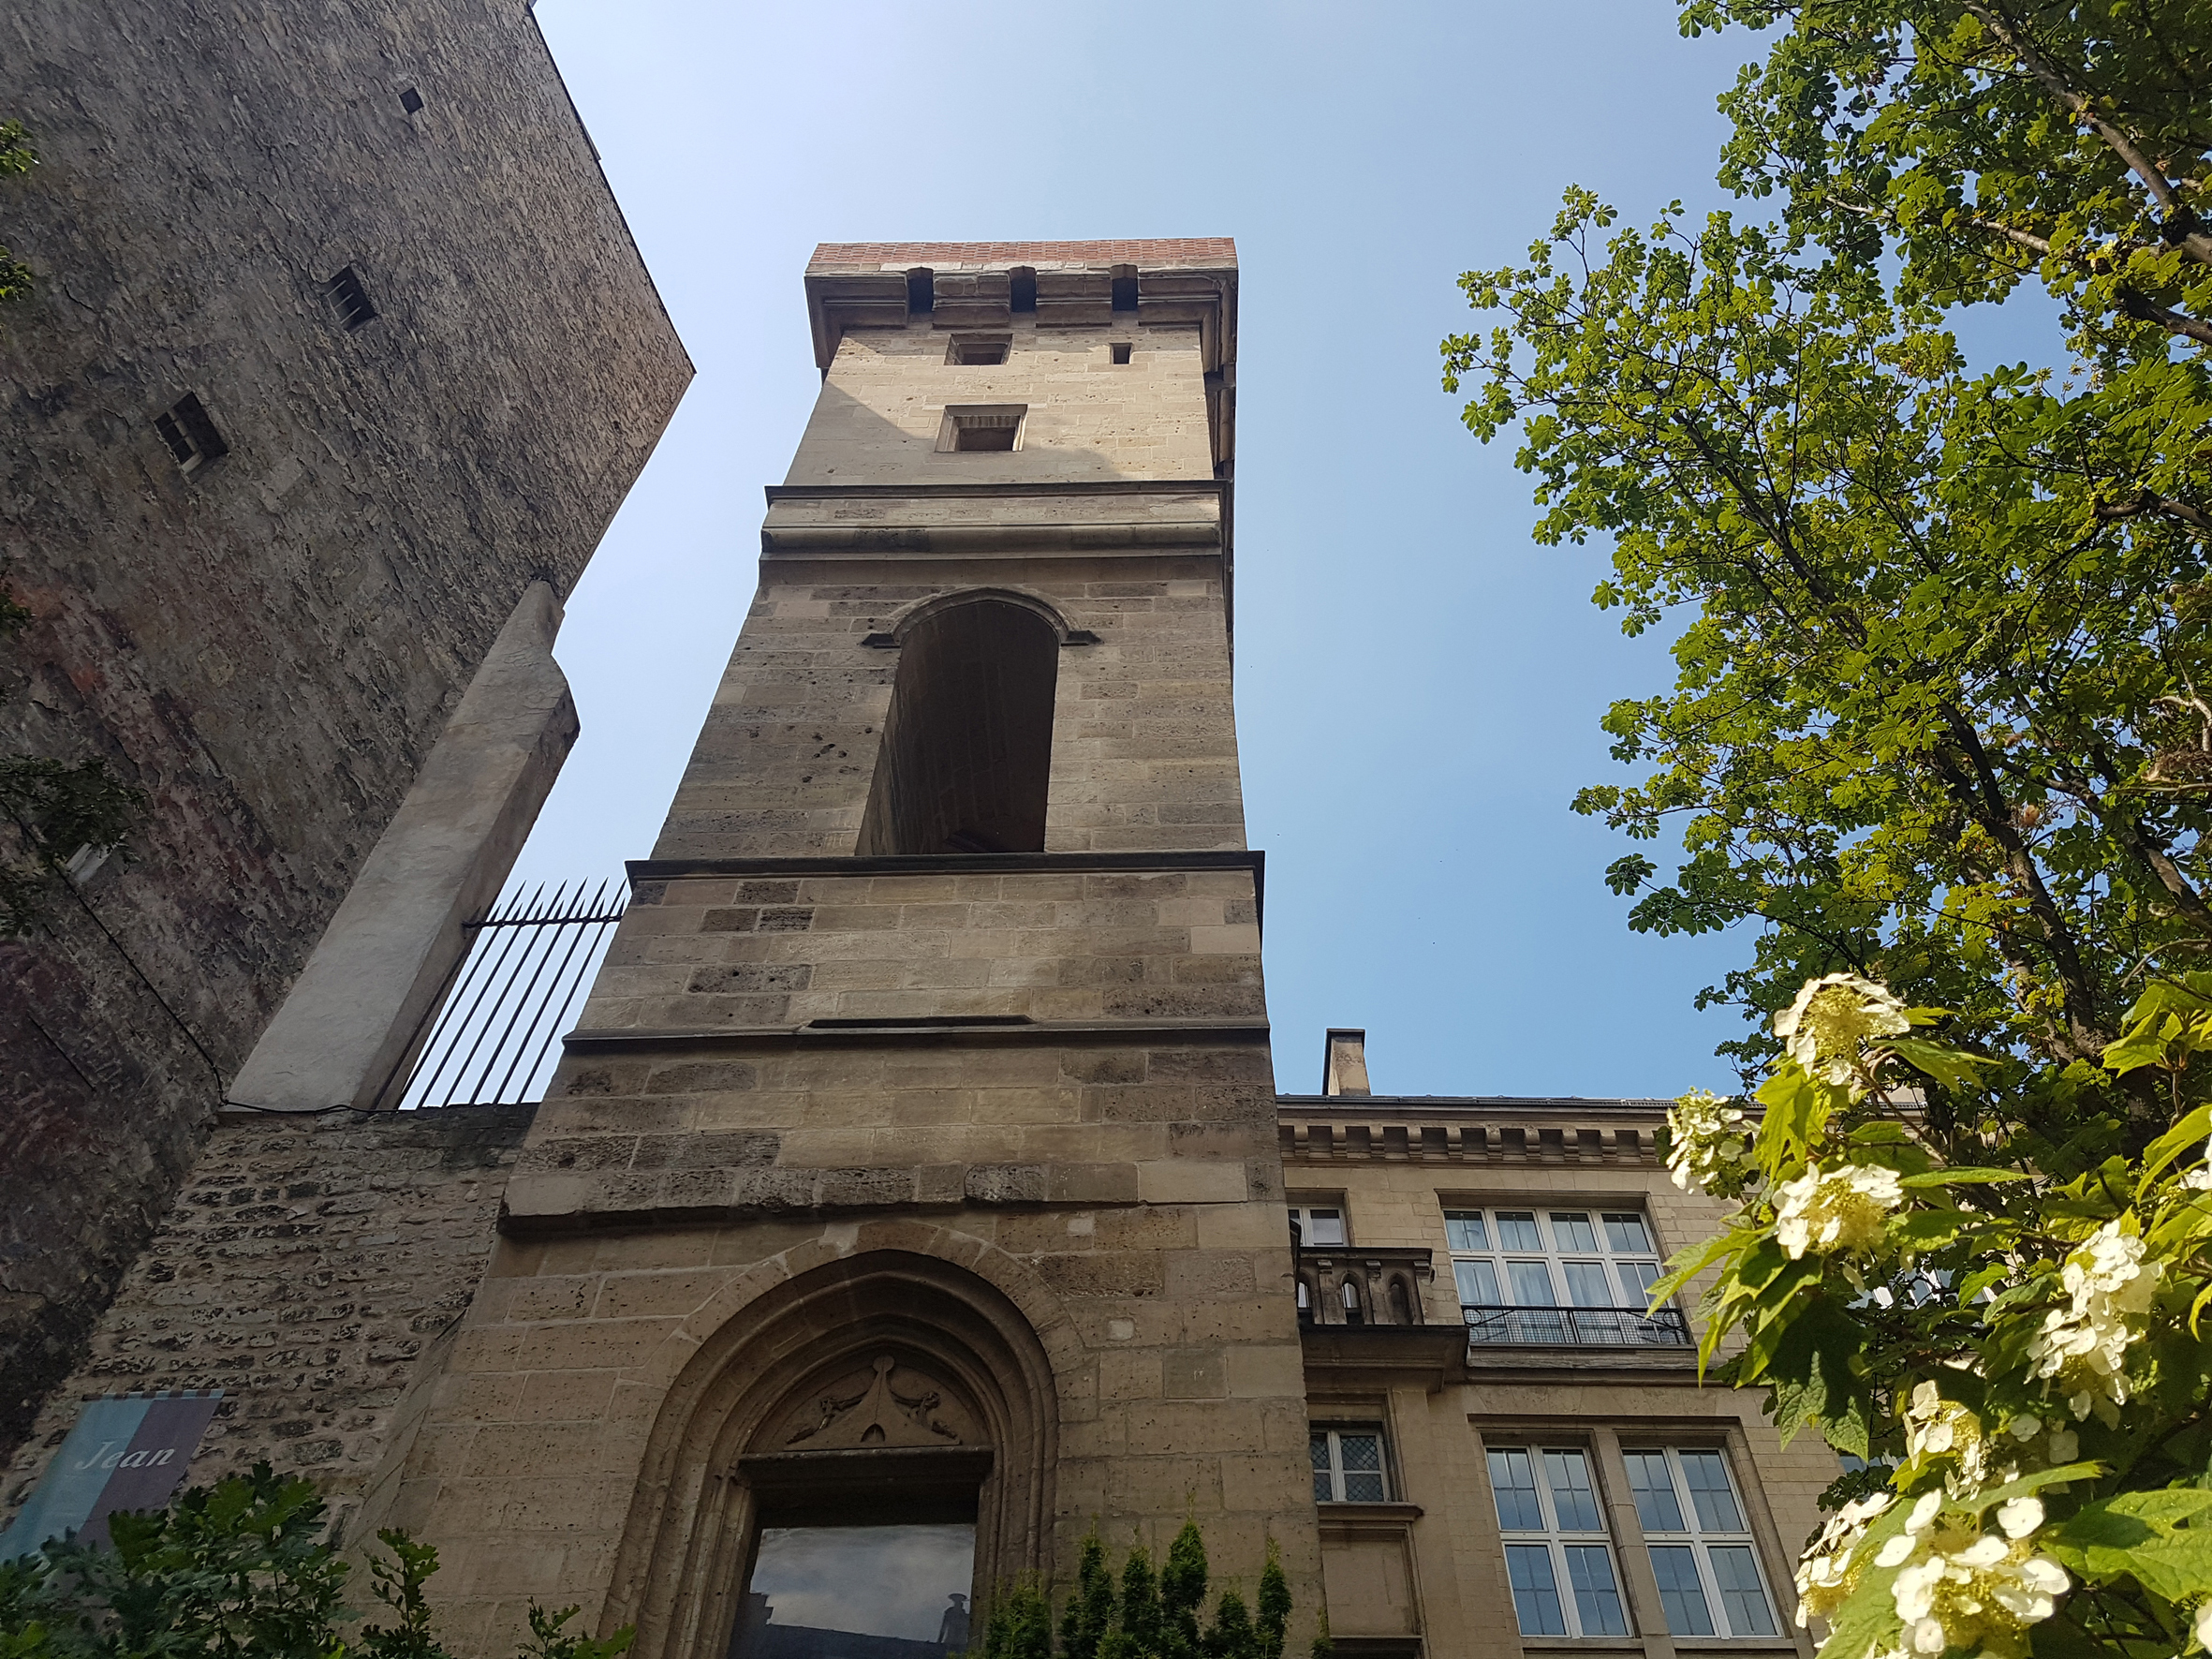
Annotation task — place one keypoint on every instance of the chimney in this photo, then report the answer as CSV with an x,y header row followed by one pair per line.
x,y
1344,1069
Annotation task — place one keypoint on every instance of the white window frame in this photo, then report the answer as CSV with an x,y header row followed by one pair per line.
x,y
1333,1433
1557,1540
1304,1213
1491,1255
1700,1539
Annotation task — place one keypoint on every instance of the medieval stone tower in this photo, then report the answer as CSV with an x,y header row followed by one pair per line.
x,y
914,1159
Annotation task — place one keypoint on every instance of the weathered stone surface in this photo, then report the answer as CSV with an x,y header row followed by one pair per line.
x,y
307,1269
269,644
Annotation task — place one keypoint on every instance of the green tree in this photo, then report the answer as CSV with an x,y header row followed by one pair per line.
x,y
1939,740
243,1569
1936,714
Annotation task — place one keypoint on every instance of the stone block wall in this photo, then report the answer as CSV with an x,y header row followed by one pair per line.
x,y
313,1270
269,643
1143,735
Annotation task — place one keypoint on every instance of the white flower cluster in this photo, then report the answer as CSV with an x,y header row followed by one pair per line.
x,y
2200,1180
1837,1209
1703,1139
2084,1346
1960,1587
1939,1428
1825,1573
1826,1029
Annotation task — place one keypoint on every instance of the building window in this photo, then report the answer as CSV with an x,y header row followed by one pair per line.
x,y
411,101
1558,1276
1122,349
970,427
349,298
966,759
190,433
1319,1225
1701,1546
982,349
1348,1466
1558,1558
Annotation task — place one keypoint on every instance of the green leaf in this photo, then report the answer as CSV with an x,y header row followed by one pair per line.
x,y
1952,1067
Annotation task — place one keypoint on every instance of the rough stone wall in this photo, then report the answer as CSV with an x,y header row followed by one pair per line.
x,y
269,645
879,412
308,1270
1144,731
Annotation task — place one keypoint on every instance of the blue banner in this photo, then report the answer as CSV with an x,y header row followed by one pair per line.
x,y
126,1451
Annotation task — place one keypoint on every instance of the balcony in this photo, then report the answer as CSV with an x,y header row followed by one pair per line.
x,y
1575,1328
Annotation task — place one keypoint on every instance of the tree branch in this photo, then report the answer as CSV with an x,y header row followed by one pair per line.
x,y
2191,241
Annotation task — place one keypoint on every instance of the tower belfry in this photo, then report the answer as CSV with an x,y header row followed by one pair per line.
x,y
914,1161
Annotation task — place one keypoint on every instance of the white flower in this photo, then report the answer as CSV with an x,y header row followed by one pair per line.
x,y
1702,1140
1825,1028
2200,1179
2084,1345
1842,1208
2019,1516
1972,1590
1826,1574
2026,1426
2203,1625
2065,1445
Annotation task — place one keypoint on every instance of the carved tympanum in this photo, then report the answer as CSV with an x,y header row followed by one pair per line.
x,y
890,1403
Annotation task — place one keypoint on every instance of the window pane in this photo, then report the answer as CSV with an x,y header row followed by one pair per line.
x,y
839,1583
1325,1226
1706,1476
1597,1601
1532,1284
1636,1280
1568,1473
1741,1597
1626,1235
1362,1455
1680,1593
1324,1490
1516,1230
1463,1229
1571,1231
1513,1479
1478,1284
1587,1284
1535,1593
1657,1506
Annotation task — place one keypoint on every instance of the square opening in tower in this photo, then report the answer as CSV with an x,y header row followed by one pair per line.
x,y
992,426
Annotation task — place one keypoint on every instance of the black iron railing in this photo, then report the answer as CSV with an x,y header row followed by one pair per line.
x,y
1603,1327
530,960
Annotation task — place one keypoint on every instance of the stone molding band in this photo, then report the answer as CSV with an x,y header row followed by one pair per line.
x,y
1049,1032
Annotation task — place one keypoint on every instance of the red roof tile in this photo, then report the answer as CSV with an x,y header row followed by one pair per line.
x,y
1155,254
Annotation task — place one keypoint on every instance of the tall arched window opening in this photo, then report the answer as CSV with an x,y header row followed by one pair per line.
x,y
967,745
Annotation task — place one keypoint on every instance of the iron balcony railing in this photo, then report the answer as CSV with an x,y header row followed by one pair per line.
x,y
1603,1327
494,1037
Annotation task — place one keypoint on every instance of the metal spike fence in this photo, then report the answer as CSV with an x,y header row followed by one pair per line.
x,y
496,1038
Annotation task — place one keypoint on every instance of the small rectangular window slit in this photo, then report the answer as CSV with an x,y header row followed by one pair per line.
x,y
970,428
411,101
1121,349
350,299
984,349
190,433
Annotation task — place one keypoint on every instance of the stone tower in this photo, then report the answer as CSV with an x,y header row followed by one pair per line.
x,y
338,348
915,1158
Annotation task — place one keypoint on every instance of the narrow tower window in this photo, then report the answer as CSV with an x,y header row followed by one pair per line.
x,y
968,744
350,299
411,101
986,350
1022,286
190,433
921,291
1121,350
1125,287
988,426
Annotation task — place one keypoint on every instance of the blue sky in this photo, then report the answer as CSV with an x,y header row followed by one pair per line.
x,y
1418,684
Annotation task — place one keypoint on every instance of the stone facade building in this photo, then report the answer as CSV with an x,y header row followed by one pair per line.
x,y
914,1194
338,345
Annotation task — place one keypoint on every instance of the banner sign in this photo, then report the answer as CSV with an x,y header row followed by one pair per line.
x,y
127,1451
